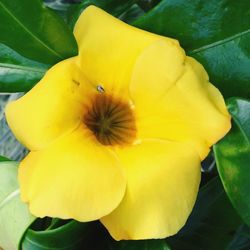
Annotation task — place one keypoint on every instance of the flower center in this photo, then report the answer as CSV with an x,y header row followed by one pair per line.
x,y
111,120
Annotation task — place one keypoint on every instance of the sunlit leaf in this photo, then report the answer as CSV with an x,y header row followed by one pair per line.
x,y
14,215
233,158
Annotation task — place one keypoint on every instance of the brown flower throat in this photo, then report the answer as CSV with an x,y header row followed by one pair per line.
x,y
111,120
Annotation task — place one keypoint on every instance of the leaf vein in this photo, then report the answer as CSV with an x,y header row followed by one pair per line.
x,y
9,197
30,33
21,67
220,42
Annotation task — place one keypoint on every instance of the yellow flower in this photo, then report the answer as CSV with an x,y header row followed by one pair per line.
x,y
118,132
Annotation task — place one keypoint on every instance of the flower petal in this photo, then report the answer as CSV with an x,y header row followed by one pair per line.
x,y
163,180
108,48
52,108
75,177
174,99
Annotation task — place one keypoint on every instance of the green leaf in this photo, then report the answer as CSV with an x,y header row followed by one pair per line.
x,y
35,32
114,7
232,155
61,7
17,73
147,4
2,158
14,215
212,223
216,33
139,245
69,236
132,13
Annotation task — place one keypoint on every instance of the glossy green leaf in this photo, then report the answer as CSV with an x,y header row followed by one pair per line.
x,y
212,223
60,7
69,236
232,155
147,4
139,245
216,33
114,7
35,32
132,13
14,215
17,73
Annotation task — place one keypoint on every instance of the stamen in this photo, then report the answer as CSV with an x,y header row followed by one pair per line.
x,y
100,89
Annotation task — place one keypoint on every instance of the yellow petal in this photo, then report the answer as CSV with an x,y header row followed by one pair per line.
x,y
75,177
174,100
52,108
163,180
108,48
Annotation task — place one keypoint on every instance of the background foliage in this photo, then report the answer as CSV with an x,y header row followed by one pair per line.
x,y
217,33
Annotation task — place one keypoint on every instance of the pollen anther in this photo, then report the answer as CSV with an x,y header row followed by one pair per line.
x,y
100,89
